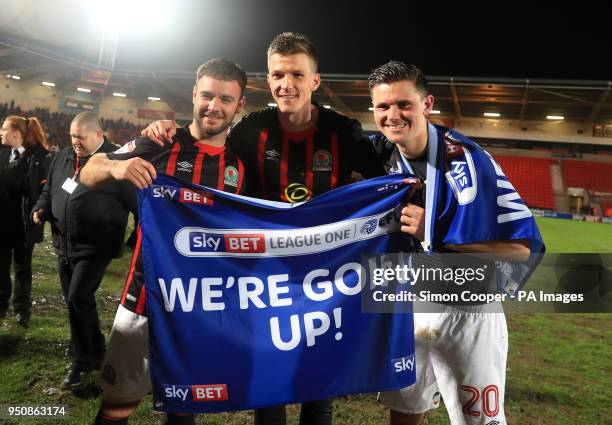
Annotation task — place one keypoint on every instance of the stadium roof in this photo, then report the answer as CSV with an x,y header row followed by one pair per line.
x,y
157,54
516,99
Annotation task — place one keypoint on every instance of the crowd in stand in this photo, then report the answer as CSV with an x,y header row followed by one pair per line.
x,y
57,124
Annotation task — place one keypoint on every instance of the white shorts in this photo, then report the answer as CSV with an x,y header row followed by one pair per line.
x,y
124,376
460,355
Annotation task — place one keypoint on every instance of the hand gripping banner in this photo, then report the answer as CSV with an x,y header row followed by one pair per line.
x,y
254,303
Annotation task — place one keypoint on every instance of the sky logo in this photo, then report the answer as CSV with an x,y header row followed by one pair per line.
x,y
219,242
179,392
206,242
403,364
210,392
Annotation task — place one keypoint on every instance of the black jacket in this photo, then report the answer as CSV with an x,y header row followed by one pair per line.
x,y
86,222
22,182
11,229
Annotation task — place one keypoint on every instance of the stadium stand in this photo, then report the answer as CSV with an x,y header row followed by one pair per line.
x,y
531,178
57,124
588,175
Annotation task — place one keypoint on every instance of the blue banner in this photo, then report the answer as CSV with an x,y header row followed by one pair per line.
x,y
469,199
254,303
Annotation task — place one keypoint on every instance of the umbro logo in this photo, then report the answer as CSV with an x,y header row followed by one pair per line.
x,y
272,155
184,166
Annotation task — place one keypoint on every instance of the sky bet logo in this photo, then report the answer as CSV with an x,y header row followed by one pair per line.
x,y
403,364
218,242
210,392
183,195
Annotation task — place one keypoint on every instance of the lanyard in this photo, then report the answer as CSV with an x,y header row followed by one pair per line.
x,y
432,179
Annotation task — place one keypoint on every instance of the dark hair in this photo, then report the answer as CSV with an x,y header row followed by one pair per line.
x,y
223,69
394,71
292,43
31,131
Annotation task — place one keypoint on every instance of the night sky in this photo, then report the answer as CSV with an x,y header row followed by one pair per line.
x,y
495,39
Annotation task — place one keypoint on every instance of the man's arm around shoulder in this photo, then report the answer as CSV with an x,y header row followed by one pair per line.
x,y
100,169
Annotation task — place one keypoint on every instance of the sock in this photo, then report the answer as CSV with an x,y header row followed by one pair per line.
x,y
174,419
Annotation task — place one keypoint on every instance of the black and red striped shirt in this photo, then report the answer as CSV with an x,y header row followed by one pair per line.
x,y
187,159
190,160
296,166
